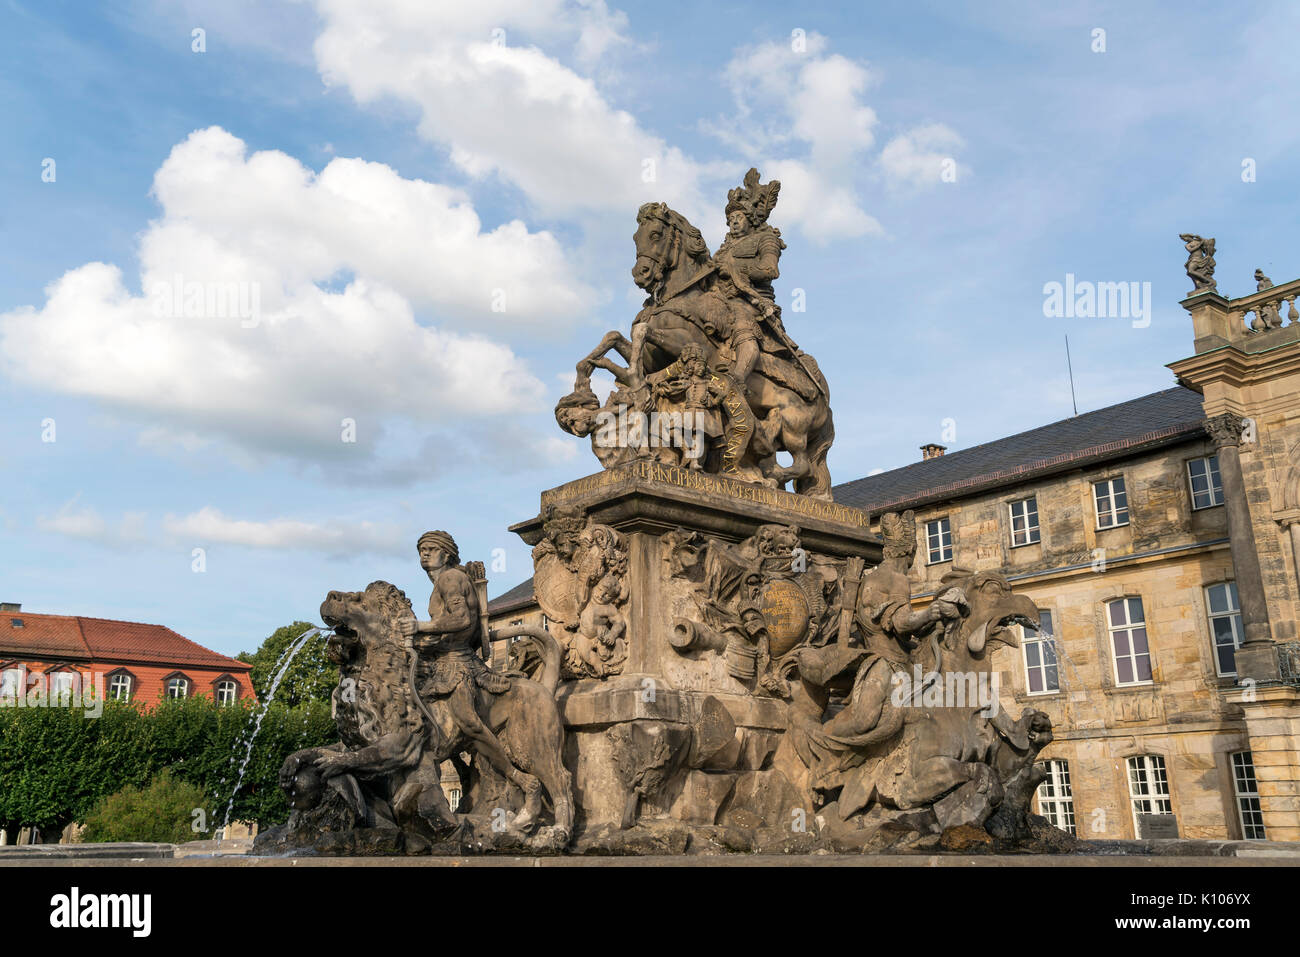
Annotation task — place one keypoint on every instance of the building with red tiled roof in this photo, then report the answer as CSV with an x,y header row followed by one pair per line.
x,y
133,661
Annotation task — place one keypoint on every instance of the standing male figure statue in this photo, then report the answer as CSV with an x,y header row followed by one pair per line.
x,y
448,647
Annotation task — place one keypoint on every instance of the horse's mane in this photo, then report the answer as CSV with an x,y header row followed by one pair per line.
x,y
693,244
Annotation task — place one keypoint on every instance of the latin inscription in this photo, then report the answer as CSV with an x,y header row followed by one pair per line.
x,y
649,471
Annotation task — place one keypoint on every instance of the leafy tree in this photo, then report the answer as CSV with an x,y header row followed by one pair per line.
x,y
164,811
309,677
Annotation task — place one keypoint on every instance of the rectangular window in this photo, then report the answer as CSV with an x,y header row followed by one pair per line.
x,y
1128,641
119,687
1112,502
1207,489
1247,791
1055,798
1024,522
1148,787
226,691
61,686
1225,625
938,536
1039,646
178,688
11,683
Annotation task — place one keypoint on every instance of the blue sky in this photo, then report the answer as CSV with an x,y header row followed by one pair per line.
x,y
377,171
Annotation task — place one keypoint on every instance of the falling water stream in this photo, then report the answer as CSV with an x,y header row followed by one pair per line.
x,y
281,667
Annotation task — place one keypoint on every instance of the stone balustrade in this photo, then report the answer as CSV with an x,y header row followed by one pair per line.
x,y
1263,310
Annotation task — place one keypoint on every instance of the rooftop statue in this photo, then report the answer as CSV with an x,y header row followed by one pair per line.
x,y
1200,261
763,396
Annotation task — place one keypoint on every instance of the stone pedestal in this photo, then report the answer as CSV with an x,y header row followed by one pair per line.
x,y
680,765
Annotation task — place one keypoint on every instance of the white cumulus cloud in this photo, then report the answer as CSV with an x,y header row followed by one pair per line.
x,y
502,105
920,157
209,526
802,114
277,305
74,520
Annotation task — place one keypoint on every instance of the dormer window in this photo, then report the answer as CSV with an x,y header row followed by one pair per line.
x,y
121,683
176,685
226,690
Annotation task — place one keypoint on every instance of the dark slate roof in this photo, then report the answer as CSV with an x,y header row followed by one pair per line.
x,y
1162,418
518,597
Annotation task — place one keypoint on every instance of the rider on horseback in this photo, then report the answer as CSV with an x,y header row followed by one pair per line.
x,y
747,262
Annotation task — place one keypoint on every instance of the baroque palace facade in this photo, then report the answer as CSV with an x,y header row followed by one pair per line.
x,y
1160,539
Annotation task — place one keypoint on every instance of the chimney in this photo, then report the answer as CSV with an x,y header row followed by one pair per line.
x,y
932,450
11,606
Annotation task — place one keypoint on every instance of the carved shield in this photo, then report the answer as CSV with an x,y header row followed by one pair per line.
x,y
556,587
786,611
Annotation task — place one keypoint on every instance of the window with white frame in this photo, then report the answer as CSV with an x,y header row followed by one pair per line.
x,y
1039,647
1225,625
453,797
61,686
1148,787
1024,521
1055,798
119,687
1246,789
938,536
11,683
1207,488
178,687
1128,641
1112,502
227,691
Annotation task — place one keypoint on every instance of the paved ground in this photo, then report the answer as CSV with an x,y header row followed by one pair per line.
x,y
729,860
738,860
1141,854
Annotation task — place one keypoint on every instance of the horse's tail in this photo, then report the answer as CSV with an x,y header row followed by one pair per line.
x,y
817,483
551,653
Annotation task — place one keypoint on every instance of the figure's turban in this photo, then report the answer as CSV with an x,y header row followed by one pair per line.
x,y
444,541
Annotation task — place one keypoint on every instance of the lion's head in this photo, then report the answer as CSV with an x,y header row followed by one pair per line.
x,y
371,699
365,616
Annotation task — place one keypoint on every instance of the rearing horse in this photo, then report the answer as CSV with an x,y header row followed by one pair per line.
x,y
684,307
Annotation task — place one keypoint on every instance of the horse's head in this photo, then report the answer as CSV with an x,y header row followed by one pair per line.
x,y
363,619
665,241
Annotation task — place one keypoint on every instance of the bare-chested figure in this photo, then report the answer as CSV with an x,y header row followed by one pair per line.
x,y
449,646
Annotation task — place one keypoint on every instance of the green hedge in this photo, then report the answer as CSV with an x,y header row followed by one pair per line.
x,y
57,765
